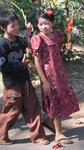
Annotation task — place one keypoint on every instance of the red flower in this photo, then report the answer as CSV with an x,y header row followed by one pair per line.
x,y
49,12
69,26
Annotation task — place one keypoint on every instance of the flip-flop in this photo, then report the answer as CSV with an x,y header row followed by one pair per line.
x,y
6,142
64,141
42,141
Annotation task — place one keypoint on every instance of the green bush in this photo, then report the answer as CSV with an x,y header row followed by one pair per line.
x,y
27,11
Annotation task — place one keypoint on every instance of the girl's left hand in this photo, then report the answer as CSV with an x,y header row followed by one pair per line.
x,y
68,46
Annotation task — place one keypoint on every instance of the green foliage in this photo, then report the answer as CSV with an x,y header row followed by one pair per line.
x,y
27,10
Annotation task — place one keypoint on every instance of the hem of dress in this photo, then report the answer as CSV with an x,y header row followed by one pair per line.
x,y
64,116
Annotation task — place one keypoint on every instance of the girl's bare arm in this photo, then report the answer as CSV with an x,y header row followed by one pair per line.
x,y
46,84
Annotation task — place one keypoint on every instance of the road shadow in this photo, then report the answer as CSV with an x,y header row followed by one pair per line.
x,y
22,141
20,124
50,138
77,132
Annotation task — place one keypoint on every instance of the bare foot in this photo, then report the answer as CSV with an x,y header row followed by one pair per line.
x,y
42,141
6,142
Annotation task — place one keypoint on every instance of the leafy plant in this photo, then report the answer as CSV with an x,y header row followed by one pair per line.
x,y
63,11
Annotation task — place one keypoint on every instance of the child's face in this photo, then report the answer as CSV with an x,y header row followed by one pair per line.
x,y
44,25
12,28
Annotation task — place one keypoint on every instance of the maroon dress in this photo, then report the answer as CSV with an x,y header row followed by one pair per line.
x,y
62,101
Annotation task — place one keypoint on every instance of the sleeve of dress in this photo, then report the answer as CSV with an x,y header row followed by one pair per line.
x,y
35,44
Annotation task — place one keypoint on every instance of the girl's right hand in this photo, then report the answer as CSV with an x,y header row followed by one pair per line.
x,y
47,88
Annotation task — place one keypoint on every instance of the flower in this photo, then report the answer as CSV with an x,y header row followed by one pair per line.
x,y
49,12
70,25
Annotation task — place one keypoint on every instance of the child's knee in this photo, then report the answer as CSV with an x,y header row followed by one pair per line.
x,y
12,93
12,99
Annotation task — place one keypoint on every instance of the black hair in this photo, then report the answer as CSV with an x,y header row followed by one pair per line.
x,y
47,14
6,17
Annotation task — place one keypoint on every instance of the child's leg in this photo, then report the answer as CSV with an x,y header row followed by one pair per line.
x,y
58,128
60,137
11,110
32,113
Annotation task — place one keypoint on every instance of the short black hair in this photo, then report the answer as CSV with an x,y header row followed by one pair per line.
x,y
47,14
6,17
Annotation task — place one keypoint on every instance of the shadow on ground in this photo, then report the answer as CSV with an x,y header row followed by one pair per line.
x,y
76,133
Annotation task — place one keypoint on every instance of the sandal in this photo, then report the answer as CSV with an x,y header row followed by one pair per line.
x,y
6,142
42,141
64,141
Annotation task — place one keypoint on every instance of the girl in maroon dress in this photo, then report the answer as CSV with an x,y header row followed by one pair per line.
x,y
58,97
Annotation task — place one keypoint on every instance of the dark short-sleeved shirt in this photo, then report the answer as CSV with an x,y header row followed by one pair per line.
x,y
11,66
